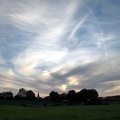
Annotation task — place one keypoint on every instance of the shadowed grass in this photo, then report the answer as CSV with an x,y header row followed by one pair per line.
x,y
110,112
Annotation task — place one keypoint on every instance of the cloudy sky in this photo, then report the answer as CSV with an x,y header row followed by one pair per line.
x,y
60,45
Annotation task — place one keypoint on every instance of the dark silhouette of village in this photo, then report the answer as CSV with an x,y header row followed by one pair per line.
x,y
83,97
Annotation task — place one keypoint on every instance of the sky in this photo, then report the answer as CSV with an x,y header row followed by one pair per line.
x,y
60,45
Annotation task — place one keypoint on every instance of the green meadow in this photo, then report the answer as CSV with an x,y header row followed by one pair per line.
x,y
103,112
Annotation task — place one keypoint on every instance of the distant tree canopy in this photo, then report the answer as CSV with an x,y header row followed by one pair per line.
x,y
54,96
24,94
85,95
88,95
6,95
30,94
71,96
62,96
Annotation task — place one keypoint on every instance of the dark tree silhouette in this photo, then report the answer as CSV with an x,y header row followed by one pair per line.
x,y
85,96
62,97
24,94
30,95
71,96
88,95
54,96
46,98
6,95
21,94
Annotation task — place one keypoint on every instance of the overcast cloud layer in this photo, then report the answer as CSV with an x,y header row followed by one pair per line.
x,y
60,45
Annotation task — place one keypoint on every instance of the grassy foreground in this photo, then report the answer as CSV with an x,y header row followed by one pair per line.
x,y
110,112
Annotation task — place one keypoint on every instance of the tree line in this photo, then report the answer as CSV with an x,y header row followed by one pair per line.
x,y
85,95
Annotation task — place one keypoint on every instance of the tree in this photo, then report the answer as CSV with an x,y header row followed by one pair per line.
x,y
71,96
22,92
30,95
83,95
62,96
46,98
94,95
88,95
54,96
6,95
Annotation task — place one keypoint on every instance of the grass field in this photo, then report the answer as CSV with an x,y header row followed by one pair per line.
x,y
12,112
